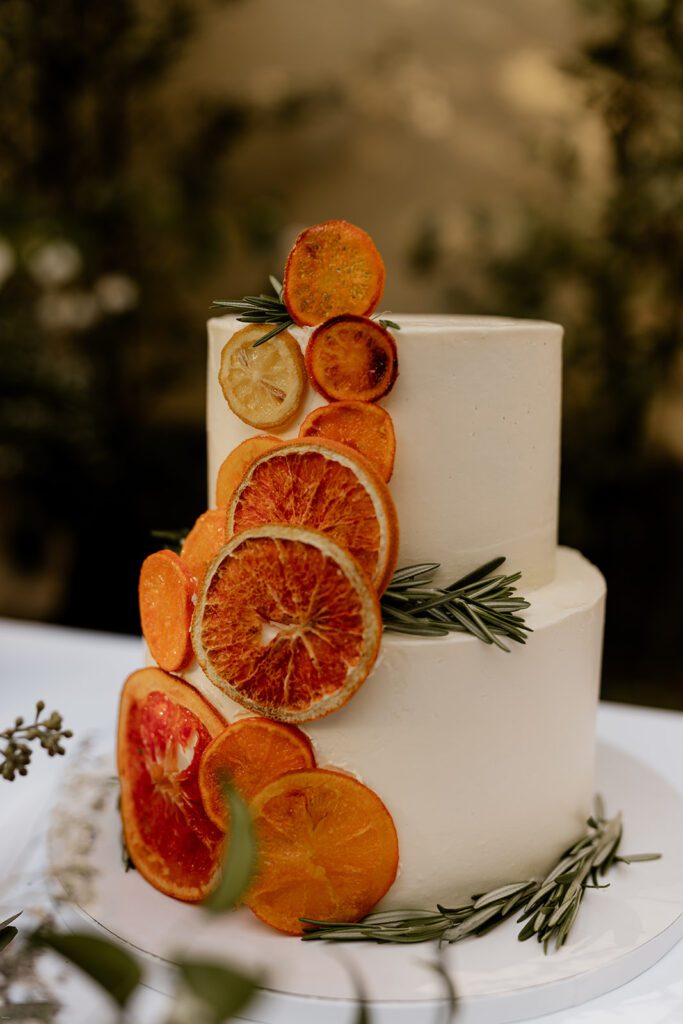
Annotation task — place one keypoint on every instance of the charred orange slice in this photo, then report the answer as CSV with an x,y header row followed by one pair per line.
x,y
365,427
252,752
328,850
264,386
164,728
233,467
166,592
287,624
203,542
323,485
352,358
332,268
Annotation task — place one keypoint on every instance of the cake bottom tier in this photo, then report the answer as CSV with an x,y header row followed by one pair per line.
x,y
484,759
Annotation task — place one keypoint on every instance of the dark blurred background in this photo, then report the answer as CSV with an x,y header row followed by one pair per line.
x,y
509,156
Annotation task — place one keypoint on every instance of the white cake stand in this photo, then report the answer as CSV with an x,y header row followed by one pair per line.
x,y
620,931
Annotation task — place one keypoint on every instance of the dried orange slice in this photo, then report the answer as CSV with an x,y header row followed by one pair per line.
x,y
203,542
263,385
287,624
166,592
328,850
253,752
233,467
328,487
164,727
332,268
352,358
365,427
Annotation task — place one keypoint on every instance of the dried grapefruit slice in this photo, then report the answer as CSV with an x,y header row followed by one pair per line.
x,y
363,426
263,385
328,850
166,592
164,727
287,624
352,358
253,752
326,486
332,268
203,542
233,467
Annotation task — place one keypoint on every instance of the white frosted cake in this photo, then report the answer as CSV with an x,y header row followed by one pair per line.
x,y
483,758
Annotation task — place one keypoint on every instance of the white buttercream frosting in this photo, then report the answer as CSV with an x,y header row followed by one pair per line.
x,y
476,411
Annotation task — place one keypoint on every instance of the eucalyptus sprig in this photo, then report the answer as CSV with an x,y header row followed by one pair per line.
x,y
485,606
16,755
548,907
261,309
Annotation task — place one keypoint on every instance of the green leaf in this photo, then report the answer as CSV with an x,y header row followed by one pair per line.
x,y
439,967
389,324
223,990
103,961
241,855
10,920
6,936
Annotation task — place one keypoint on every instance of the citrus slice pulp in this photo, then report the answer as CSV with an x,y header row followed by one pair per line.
x,y
328,850
252,752
164,727
321,484
233,466
352,358
264,386
363,426
286,624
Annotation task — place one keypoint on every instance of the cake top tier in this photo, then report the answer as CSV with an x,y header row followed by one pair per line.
x,y
476,410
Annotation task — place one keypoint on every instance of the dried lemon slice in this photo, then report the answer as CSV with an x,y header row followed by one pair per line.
x,y
264,386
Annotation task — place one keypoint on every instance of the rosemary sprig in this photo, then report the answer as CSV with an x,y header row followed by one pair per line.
x,y
16,755
548,907
261,309
478,603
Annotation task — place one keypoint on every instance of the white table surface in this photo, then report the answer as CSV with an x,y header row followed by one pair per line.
x,y
80,673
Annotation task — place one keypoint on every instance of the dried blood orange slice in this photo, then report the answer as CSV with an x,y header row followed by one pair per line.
x,y
263,385
203,542
352,358
253,752
332,268
287,623
166,592
323,485
328,850
365,427
233,467
164,727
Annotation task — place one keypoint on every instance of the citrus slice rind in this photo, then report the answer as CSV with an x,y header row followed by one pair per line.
x,y
253,752
287,624
363,426
328,850
166,594
324,485
263,385
332,268
352,358
164,727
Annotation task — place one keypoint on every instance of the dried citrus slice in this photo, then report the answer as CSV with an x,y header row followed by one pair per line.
x,y
166,592
363,426
328,850
326,486
253,752
332,268
287,624
164,727
263,385
233,467
203,542
352,358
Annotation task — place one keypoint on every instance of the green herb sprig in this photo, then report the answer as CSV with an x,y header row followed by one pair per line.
x,y
485,606
261,309
16,754
548,907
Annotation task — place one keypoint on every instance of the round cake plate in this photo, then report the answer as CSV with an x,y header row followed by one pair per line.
x,y
620,932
